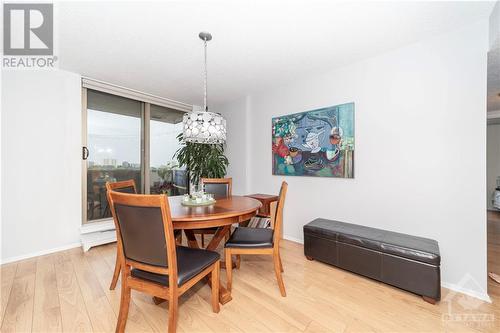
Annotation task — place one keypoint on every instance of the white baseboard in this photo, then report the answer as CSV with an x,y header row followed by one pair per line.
x,y
103,225
40,253
293,239
98,238
455,287
472,293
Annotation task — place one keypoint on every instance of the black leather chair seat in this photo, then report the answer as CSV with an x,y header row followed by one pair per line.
x,y
190,262
402,245
251,238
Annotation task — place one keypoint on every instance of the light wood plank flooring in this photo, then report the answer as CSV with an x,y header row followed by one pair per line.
x,y
68,292
494,251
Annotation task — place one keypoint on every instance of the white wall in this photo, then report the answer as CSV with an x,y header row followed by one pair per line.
x,y
238,142
495,26
41,162
420,155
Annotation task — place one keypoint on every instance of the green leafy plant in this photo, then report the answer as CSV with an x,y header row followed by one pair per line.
x,y
201,160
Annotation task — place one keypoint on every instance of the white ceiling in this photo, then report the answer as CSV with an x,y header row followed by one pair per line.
x,y
153,46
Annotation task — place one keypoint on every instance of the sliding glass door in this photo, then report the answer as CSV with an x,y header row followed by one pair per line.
x,y
114,127
165,174
123,139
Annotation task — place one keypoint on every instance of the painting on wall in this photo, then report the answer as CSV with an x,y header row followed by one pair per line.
x,y
318,143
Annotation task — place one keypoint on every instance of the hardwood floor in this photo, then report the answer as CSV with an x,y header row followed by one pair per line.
x,y
494,251
68,292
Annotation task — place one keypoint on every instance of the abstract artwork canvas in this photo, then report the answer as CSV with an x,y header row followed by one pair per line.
x,y
318,143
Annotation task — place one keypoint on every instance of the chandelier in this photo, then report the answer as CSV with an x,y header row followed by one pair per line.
x,y
202,126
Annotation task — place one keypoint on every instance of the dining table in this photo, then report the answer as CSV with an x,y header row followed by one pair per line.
x,y
222,214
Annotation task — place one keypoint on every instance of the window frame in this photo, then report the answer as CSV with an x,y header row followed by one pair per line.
x,y
146,101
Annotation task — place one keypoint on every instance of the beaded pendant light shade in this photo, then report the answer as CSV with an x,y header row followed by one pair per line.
x,y
202,126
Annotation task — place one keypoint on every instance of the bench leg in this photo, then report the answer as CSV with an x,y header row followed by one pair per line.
x,y
429,300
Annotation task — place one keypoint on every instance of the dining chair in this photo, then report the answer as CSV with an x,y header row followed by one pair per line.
x,y
127,186
259,241
150,259
220,188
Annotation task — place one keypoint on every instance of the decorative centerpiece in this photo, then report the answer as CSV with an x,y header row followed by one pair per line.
x,y
198,199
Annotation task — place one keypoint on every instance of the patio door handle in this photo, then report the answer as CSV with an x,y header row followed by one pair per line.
x,y
85,153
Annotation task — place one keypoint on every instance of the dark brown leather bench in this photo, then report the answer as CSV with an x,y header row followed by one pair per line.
x,y
407,262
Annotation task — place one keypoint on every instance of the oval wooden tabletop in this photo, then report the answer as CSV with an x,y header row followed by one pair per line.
x,y
233,206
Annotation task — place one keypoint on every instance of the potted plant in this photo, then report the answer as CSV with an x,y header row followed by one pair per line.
x,y
166,173
201,160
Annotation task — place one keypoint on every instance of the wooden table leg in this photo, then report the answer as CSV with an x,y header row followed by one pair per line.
x,y
224,294
191,238
158,300
218,237
223,264
214,243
